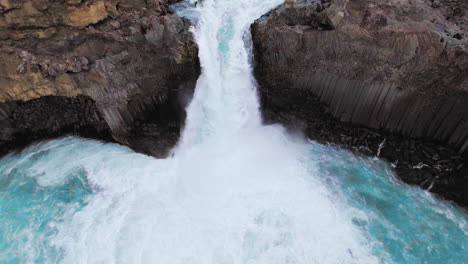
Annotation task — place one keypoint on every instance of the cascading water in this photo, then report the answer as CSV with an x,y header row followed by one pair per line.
x,y
234,191
225,100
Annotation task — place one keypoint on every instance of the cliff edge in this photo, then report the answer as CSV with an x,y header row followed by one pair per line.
x,y
111,69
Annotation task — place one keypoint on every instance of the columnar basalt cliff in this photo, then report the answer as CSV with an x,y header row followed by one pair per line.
x,y
385,78
104,68
399,67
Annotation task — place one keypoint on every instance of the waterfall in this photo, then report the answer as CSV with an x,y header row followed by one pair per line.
x,y
234,191
225,100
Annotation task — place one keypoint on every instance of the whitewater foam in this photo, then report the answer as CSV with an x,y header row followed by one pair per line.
x,y
234,191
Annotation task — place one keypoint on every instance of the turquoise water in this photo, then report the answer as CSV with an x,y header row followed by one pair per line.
x,y
234,191
49,184
38,189
410,224
225,35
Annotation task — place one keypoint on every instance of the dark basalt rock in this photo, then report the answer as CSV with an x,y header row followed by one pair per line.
x,y
428,164
49,116
387,68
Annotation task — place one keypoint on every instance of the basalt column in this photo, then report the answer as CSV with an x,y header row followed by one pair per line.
x,y
399,67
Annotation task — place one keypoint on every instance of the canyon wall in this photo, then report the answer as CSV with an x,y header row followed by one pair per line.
x,y
399,65
106,68
383,78
395,72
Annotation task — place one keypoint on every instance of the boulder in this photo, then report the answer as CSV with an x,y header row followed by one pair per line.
x,y
132,61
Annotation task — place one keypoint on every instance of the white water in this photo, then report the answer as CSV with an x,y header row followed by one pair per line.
x,y
225,101
234,192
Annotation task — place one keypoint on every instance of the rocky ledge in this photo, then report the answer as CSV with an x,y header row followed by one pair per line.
x,y
112,69
387,78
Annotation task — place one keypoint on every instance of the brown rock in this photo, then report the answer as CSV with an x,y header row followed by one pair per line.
x,y
89,13
73,2
127,73
131,4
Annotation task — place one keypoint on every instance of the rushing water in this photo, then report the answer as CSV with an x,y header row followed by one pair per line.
x,y
233,191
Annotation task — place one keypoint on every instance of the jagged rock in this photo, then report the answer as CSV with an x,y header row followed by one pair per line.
x,y
130,61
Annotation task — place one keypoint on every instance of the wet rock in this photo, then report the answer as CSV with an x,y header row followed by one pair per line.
x,y
394,69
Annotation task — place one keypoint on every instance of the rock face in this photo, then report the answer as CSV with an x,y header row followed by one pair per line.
x,y
396,73
396,66
122,67
50,116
